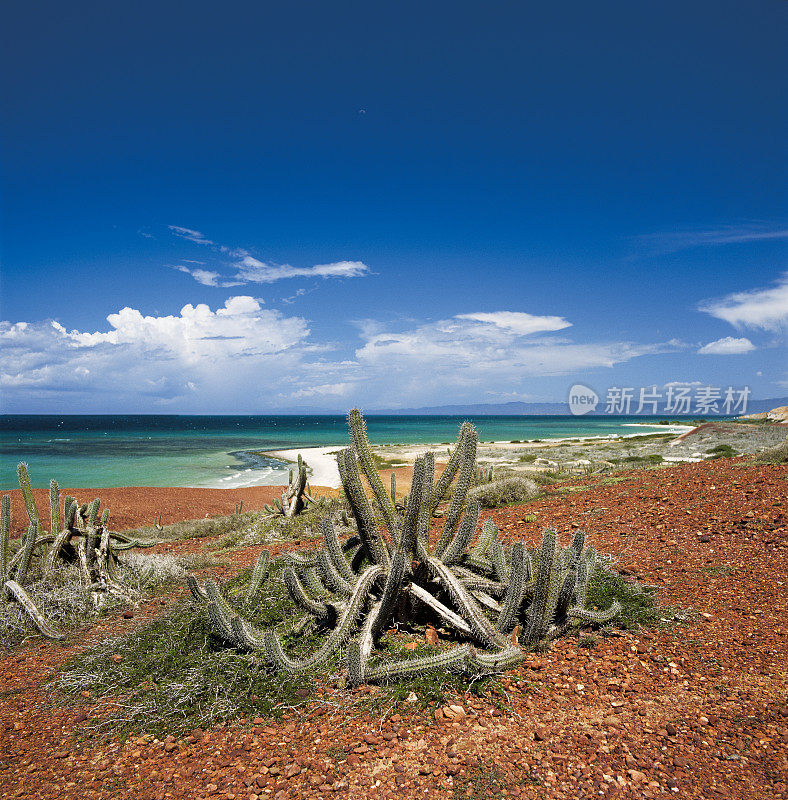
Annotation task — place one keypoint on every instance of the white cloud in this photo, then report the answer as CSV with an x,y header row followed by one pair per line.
x,y
246,268
252,270
727,346
766,309
323,390
189,234
230,358
675,241
207,277
518,322
469,357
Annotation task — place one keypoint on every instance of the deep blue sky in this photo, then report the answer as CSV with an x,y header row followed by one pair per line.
x,y
614,164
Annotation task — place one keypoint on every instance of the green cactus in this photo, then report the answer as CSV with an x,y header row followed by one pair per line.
x,y
354,590
79,533
5,527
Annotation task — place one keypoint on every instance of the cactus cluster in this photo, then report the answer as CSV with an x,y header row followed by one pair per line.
x,y
295,497
484,592
78,534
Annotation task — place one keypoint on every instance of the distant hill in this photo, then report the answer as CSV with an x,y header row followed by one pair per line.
x,y
513,408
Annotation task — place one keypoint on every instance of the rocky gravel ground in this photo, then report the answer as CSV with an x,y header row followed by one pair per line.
x,y
695,709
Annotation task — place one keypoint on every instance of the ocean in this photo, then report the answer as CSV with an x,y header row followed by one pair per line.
x,y
223,451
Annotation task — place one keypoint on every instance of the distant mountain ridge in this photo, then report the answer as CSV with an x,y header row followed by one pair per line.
x,y
537,409
512,408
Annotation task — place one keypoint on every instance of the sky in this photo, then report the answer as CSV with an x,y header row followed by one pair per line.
x,y
253,207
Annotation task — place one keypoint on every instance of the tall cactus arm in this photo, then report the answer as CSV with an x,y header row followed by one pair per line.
x,y
69,511
566,594
30,609
540,612
450,470
26,553
514,591
54,552
196,591
391,592
458,659
300,596
54,506
459,544
5,528
105,517
499,561
358,651
425,509
489,532
334,550
468,458
311,580
484,630
220,622
335,639
358,432
329,574
93,510
585,567
418,489
27,494
362,511
259,575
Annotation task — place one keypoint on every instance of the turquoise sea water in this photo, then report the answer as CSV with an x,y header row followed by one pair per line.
x,y
148,450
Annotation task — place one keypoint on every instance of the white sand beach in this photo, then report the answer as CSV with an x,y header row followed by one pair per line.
x,y
321,463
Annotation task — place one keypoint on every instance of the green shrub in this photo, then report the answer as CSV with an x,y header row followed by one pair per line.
x,y
505,492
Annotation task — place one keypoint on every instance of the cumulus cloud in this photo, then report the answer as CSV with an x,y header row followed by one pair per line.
x,y
232,357
243,358
766,309
727,346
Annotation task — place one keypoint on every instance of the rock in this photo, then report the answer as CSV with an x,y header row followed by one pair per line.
x,y
541,734
117,658
431,636
671,729
680,762
128,615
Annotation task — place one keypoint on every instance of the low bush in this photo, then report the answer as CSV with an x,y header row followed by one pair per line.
x,y
504,492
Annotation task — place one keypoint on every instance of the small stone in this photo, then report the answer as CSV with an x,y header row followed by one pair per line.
x,y
541,734
410,646
431,636
128,615
170,746
680,762
117,658
671,729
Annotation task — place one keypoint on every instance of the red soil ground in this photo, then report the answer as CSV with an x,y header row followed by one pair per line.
x,y
697,710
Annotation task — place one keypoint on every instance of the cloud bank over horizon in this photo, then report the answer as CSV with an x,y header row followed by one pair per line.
x,y
242,355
